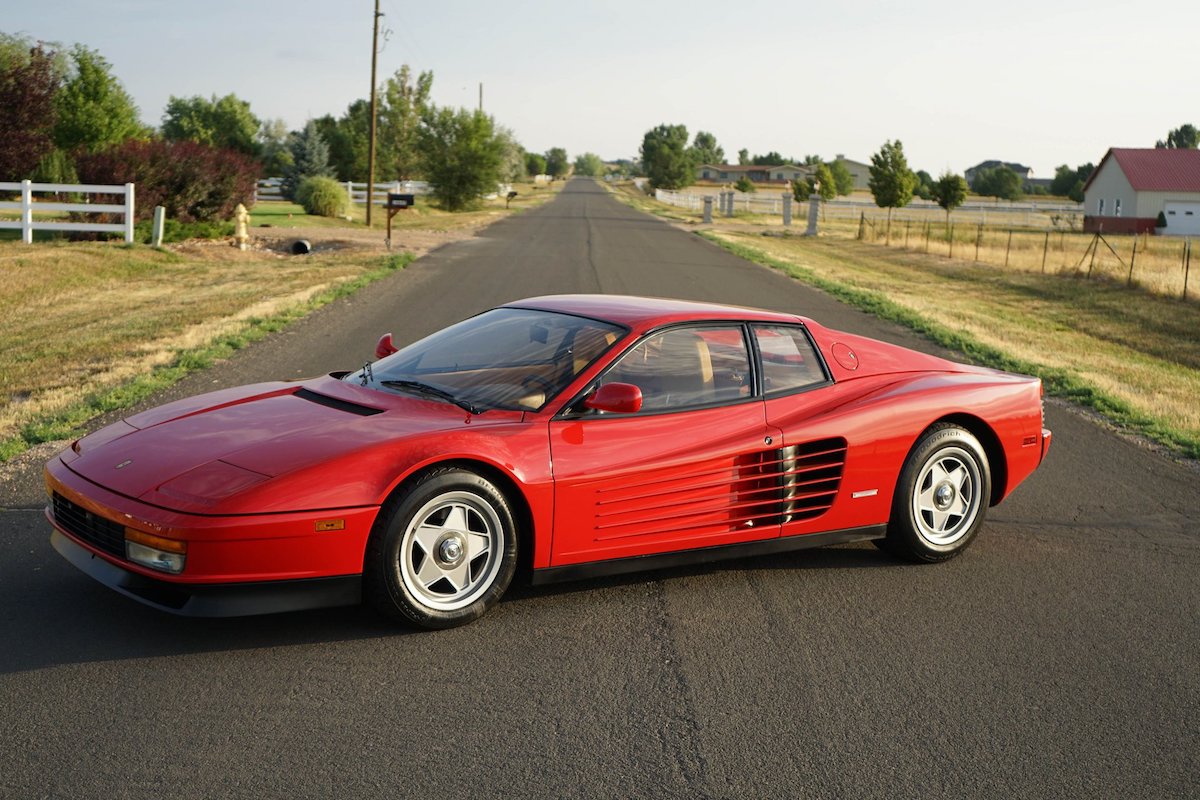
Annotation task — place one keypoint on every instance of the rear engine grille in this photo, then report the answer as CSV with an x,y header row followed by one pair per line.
x,y
809,476
101,533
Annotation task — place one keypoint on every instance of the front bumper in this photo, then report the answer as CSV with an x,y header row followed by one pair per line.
x,y
212,599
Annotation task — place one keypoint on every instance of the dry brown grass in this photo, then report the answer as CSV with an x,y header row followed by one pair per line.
x,y
1139,348
79,319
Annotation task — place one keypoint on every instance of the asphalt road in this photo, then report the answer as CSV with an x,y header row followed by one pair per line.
x,y
1056,658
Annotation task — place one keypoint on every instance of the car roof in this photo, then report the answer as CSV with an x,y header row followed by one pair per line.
x,y
645,312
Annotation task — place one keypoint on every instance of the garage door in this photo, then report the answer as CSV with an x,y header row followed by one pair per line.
x,y
1183,219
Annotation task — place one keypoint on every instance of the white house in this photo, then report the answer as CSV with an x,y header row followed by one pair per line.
x,y
1126,193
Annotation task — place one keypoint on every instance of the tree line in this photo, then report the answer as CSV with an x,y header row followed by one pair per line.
x,y
67,118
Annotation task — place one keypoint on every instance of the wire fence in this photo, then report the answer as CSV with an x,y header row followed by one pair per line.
x,y
1158,264
1057,216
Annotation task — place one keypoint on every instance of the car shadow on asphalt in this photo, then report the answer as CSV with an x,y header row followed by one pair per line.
x,y
76,621
842,557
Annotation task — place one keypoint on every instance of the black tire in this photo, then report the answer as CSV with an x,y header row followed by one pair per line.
x,y
443,550
941,497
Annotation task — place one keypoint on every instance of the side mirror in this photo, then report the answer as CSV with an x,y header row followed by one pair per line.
x,y
384,347
617,398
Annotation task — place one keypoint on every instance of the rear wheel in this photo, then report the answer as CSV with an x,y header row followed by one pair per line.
x,y
941,497
443,551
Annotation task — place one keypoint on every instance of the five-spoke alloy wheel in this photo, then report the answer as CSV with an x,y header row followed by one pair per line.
x,y
444,549
941,496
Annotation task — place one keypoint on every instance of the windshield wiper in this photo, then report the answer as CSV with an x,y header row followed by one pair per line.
x,y
433,391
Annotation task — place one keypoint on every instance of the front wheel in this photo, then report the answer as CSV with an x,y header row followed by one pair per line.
x,y
443,551
941,497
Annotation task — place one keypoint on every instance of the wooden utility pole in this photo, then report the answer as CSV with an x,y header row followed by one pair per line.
x,y
374,113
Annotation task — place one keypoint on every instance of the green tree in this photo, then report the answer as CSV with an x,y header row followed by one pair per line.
x,y
28,83
310,159
771,159
705,150
801,190
823,183
842,177
512,155
589,164
1069,182
1185,137
999,182
225,122
557,162
404,101
273,148
949,191
743,157
891,181
812,159
745,185
924,186
535,164
461,155
94,110
665,157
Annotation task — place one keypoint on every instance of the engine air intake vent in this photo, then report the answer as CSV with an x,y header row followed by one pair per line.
x,y
340,405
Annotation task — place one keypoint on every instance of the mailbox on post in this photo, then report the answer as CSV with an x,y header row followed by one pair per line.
x,y
396,202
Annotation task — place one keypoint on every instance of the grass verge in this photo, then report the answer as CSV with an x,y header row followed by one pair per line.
x,y
66,421
1132,357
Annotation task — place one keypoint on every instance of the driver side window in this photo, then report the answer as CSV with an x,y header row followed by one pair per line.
x,y
686,368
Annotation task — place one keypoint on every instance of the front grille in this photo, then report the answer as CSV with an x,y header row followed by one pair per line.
x,y
101,533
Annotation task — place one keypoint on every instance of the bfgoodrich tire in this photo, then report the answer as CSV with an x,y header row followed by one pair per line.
x,y
443,551
941,496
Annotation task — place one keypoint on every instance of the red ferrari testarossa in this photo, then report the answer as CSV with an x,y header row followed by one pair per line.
x,y
561,437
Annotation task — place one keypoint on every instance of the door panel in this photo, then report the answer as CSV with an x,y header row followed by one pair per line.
x,y
637,485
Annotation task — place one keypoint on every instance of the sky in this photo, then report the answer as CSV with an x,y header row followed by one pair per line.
x,y
1040,83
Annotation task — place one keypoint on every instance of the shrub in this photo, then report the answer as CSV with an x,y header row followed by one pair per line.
x,y
1161,222
744,184
323,197
194,182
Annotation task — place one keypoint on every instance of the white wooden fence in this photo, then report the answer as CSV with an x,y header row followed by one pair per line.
x,y
268,190
27,205
997,213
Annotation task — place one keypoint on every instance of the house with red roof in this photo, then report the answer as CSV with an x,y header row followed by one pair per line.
x,y
1126,193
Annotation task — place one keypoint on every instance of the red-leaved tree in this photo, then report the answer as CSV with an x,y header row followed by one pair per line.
x,y
194,182
26,113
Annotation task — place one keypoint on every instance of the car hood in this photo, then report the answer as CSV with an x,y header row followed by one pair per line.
x,y
191,455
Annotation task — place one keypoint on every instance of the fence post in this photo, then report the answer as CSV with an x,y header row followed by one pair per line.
x,y
350,192
729,206
1008,248
1045,250
907,223
787,208
862,224
27,212
1187,265
129,213
708,209
1132,258
928,225
156,230
978,240
951,240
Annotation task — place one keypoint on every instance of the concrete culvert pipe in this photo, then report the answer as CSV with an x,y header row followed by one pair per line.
x,y
301,247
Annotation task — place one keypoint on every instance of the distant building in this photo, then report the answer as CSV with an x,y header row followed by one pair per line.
x,y
1126,193
859,171
1023,172
728,173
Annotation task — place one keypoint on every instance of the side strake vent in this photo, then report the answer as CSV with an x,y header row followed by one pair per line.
x,y
340,405
752,490
808,477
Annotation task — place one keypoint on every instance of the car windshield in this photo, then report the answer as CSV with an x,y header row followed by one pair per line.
x,y
509,358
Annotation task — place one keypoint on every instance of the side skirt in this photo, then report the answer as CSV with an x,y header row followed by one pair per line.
x,y
704,555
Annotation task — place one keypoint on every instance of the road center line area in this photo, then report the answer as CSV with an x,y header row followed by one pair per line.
x,y
1055,658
